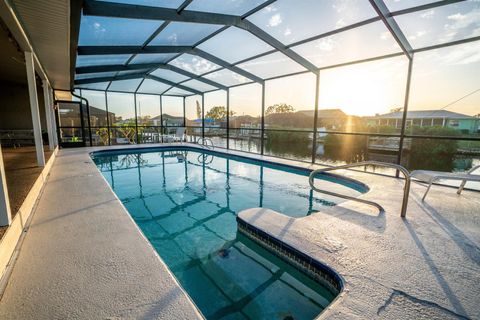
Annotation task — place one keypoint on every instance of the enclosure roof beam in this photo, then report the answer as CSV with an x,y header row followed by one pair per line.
x,y
112,78
173,84
107,50
226,65
137,76
392,26
143,66
118,10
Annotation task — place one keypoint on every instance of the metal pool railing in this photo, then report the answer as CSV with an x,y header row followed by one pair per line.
x,y
406,189
204,140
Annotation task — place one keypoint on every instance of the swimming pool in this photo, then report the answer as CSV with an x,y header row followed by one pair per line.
x,y
185,202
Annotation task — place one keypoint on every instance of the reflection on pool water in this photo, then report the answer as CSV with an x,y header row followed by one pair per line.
x,y
185,202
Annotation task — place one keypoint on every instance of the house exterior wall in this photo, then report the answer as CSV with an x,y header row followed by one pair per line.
x,y
465,125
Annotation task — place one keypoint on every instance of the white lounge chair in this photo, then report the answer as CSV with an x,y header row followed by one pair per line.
x,y
431,176
179,135
120,140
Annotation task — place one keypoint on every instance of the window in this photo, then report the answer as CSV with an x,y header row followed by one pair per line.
x,y
454,123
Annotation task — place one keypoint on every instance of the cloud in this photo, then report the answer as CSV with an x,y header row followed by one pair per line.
x,y
193,64
326,44
428,14
270,9
287,32
418,34
239,78
275,20
462,25
98,29
386,35
340,23
173,39
462,55
457,16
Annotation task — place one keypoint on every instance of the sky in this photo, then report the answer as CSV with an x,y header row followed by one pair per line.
x,y
439,76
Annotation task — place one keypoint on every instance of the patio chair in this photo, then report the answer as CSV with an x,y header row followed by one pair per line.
x,y
179,135
120,140
431,176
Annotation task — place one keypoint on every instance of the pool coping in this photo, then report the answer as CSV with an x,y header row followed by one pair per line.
x,y
351,302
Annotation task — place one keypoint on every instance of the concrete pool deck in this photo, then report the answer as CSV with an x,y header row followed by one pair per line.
x,y
83,256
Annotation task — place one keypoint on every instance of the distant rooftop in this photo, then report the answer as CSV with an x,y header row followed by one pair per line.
x,y
425,114
325,113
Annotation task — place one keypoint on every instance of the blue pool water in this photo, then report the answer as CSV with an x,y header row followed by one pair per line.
x,y
185,202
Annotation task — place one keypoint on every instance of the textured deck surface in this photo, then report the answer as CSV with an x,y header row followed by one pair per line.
x,y
21,172
84,258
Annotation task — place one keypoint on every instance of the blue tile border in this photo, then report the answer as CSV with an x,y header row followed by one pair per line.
x,y
314,269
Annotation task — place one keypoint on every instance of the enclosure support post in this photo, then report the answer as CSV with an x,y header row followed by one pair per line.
x,y
184,119
5,213
136,118
404,117
203,115
48,114
108,119
32,92
161,120
52,117
228,118
315,117
262,128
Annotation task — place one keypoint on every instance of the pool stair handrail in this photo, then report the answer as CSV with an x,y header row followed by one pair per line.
x,y
202,158
204,140
406,189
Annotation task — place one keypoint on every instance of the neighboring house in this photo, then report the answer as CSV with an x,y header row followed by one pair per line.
x,y
155,121
98,117
168,120
331,119
427,118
